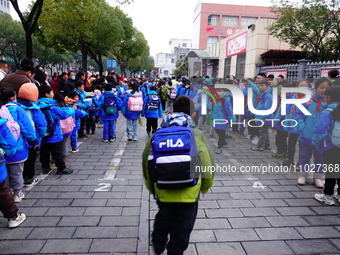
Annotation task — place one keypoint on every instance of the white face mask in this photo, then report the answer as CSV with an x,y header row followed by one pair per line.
x,y
221,94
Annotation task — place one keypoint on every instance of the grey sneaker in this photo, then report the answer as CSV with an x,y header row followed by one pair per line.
x,y
328,200
218,151
16,221
18,197
112,139
105,141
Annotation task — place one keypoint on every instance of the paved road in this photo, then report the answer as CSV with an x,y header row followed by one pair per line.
x,y
103,208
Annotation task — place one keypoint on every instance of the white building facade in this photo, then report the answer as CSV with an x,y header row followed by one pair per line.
x,y
4,6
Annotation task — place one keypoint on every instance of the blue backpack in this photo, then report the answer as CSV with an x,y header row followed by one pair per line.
x,y
153,102
173,158
91,104
51,123
110,104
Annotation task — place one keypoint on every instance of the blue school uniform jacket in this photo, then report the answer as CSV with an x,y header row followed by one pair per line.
x,y
264,101
279,117
102,114
125,110
256,91
323,128
57,114
27,134
152,113
38,117
8,144
306,123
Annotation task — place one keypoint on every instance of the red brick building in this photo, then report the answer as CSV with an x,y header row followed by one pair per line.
x,y
212,22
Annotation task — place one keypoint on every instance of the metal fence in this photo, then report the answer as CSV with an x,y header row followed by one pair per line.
x,y
303,69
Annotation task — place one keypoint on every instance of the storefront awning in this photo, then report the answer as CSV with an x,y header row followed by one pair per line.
x,y
202,54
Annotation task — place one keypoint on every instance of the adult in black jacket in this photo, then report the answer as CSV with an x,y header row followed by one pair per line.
x,y
69,84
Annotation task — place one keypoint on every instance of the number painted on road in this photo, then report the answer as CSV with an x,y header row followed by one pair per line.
x,y
105,187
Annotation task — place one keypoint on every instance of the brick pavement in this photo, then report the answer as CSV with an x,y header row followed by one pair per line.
x,y
103,208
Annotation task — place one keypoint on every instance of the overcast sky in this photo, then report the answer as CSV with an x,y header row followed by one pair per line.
x,y
160,20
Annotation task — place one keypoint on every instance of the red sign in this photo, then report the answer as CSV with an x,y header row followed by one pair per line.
x,y
324,71
276,73
237,45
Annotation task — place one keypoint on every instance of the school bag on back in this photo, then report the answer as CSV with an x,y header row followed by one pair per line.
x,y
67,125
110,104
173,159
153,102
51,124
90,103
335,135
135,104
11,123
172,93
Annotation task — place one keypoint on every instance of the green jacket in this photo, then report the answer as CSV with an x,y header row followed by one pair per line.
x,y
186,195
164,93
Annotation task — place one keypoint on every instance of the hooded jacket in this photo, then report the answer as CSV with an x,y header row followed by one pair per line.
x,y
186,195
102,114
323,128
306,123
152,113
76,114
27,134
125,110
264,101
38,118
8,144
57,115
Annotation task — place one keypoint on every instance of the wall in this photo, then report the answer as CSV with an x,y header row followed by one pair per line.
x,y
258,42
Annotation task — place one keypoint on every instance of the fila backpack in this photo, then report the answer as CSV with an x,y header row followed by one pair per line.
x,y
110,104
173,158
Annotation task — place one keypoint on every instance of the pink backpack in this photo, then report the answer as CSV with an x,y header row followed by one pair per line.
x,y
135,104
67,125
11,123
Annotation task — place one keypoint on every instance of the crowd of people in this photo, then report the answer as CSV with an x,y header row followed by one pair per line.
x,y
53,113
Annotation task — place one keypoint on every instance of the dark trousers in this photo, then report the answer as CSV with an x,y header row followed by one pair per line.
x,y
221,137
90,124
331,158
29,165
176,219
292,140
82,125
151,123
281,141
7,205
54,149
264,137
253,131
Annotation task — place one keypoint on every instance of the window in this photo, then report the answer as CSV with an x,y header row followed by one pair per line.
x,y
227,65
211,40
240,65
184,45
246,21
166,72
172,60
1,2
214,20
229,21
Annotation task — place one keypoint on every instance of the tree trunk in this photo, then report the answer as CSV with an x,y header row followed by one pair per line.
x,y
100,64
